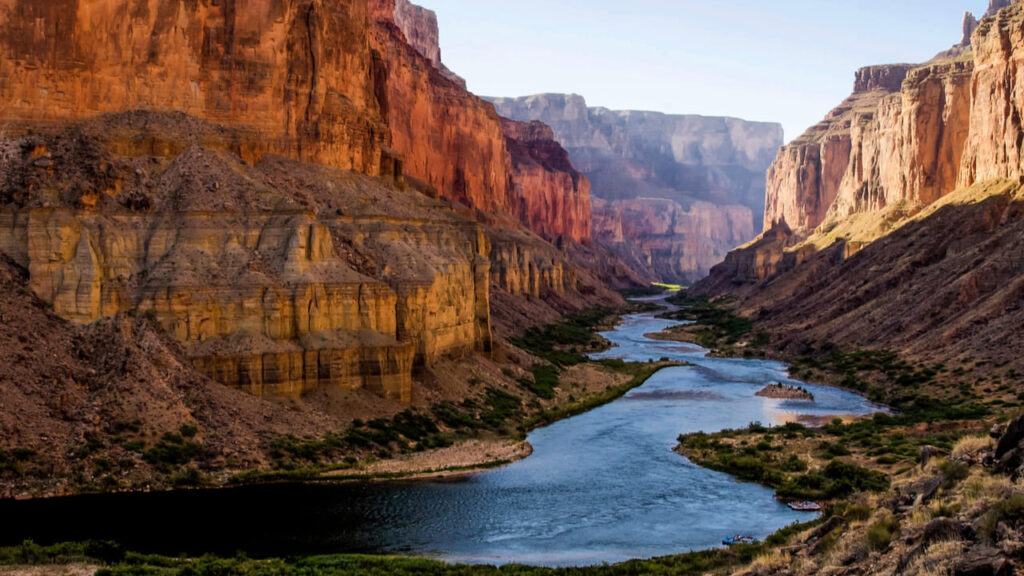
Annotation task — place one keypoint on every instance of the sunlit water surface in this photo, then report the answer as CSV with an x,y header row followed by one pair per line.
x,y
601,487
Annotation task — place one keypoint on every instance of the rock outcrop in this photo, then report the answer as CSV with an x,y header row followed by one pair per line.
x,y
665,239
629,156
448,139
278,279
420,28
300,77
907,237
554,197
184,212
995,144
356,86
908,134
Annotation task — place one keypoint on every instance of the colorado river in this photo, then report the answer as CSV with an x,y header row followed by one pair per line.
x,y
604,486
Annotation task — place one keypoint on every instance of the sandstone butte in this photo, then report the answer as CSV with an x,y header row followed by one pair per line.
x,y
216,139
672,194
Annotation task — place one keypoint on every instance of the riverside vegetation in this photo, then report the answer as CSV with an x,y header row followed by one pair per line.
x,y
112,560
919,490
493,412
496,412
533,396
928,507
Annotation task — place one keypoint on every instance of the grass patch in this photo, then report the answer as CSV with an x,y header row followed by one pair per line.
x,y
563,343
754,455
718,325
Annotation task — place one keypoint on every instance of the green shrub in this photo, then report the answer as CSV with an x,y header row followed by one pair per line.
x,y
953,472
794,464
881,533
1010,511
171,451
544,382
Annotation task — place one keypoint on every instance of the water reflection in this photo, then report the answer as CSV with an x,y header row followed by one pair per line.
x,y
602,487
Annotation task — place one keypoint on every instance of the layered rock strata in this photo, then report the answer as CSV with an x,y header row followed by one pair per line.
x,y
352,85
946,124
914,242
554,197
278,279
669,241
631,157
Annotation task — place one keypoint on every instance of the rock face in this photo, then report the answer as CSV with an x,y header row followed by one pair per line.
x,y
278,279
643,155
669,241
994,144
187,212
448,139
420,28
897,220
554,197
300,76
352,85
879,148
908,134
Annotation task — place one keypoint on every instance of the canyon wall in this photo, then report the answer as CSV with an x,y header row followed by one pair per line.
x,y
995,144
554,197
448,139
886,162
669,241
699,165
175,203
352,85
278,278
909,133
299,75
898,138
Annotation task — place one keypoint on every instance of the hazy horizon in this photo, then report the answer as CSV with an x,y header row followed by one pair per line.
x,y
789,63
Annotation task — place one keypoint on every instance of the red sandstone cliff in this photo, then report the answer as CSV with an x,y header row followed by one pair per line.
x,y
554,196
891,142
448,138
350,85
332,83
300,76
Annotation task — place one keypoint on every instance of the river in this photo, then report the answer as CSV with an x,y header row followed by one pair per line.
x,y
604,486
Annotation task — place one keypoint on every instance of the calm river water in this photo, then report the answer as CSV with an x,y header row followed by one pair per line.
x,y
601,487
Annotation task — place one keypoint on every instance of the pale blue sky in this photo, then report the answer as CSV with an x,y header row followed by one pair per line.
x,y
787,61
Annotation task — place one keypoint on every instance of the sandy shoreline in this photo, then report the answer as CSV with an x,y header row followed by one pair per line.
x,y
460,459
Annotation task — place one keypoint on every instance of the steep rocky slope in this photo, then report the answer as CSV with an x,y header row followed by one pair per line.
x,y
282,202
355,85
154,280
705,168
279,278
919,289
907,237
561,204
